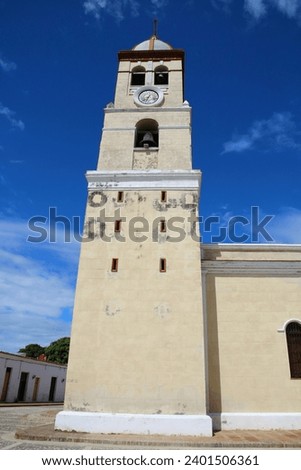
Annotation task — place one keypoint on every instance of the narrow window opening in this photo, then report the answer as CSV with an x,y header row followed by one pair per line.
x,y
161,75
117,227
114,267
120,196
293,337
138,76
163,225
162,265
52,388
147,134
163,196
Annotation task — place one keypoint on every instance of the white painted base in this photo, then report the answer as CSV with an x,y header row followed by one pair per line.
x,y
254,421
107,423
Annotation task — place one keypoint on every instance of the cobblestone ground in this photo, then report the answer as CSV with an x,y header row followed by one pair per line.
x,y
22,417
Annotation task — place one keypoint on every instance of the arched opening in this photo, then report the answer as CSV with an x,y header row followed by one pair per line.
x,y
147,134
138,76
293,338
161,75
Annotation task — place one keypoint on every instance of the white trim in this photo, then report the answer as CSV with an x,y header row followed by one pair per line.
x,y
118,129
146,150
119,423
251,247
182,108
133,88
283,328
144,180
121,129
270,267
255,421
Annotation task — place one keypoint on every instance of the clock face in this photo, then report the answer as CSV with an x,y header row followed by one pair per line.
x,y
148,97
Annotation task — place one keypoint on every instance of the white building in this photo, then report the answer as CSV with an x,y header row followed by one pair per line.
x,y
23,379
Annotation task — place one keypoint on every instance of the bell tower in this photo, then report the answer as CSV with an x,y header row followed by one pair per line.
x,y
137,356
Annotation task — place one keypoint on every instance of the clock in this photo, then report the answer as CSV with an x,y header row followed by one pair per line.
x,y
148,96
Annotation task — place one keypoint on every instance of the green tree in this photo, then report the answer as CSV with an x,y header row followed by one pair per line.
x,y
32,350
58,351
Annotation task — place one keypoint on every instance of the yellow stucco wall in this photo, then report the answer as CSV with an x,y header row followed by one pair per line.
x,y
247,304
137,337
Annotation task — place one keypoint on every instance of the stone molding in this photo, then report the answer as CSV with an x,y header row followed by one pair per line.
x,y
183,108
144,180
270,268
277,265
134,128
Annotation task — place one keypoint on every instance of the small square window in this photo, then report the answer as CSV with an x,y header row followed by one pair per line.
x,y
117,227
162,265
163,196
120,196
163,226
114,267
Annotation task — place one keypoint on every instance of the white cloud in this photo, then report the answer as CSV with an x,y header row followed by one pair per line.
x,y
286,226
9,115
120,8
259,8
36,287
20,329
291,8
238,144
279,132
115,8
7,66
30,287
256,8
159,3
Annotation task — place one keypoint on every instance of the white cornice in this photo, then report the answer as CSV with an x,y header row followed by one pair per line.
x,y
243,247
247,259
144,180
148,110
259,268
131,128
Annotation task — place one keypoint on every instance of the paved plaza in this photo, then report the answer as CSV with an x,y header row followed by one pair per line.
x,y
34,425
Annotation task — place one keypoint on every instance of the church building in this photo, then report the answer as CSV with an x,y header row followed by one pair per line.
x,y
171,336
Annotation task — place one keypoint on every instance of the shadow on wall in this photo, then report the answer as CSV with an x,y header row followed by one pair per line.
x,y
215,398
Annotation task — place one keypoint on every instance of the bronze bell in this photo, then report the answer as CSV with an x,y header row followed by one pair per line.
x,y
148,140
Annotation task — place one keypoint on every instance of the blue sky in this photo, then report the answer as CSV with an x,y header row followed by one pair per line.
x,y
58,63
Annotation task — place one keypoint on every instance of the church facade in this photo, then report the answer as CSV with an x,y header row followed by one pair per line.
x,y
171,336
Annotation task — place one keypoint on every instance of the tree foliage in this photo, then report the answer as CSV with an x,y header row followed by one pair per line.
x,y
58,351
32,350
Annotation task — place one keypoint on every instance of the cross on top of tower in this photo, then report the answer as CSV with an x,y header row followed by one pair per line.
x,y
155,28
